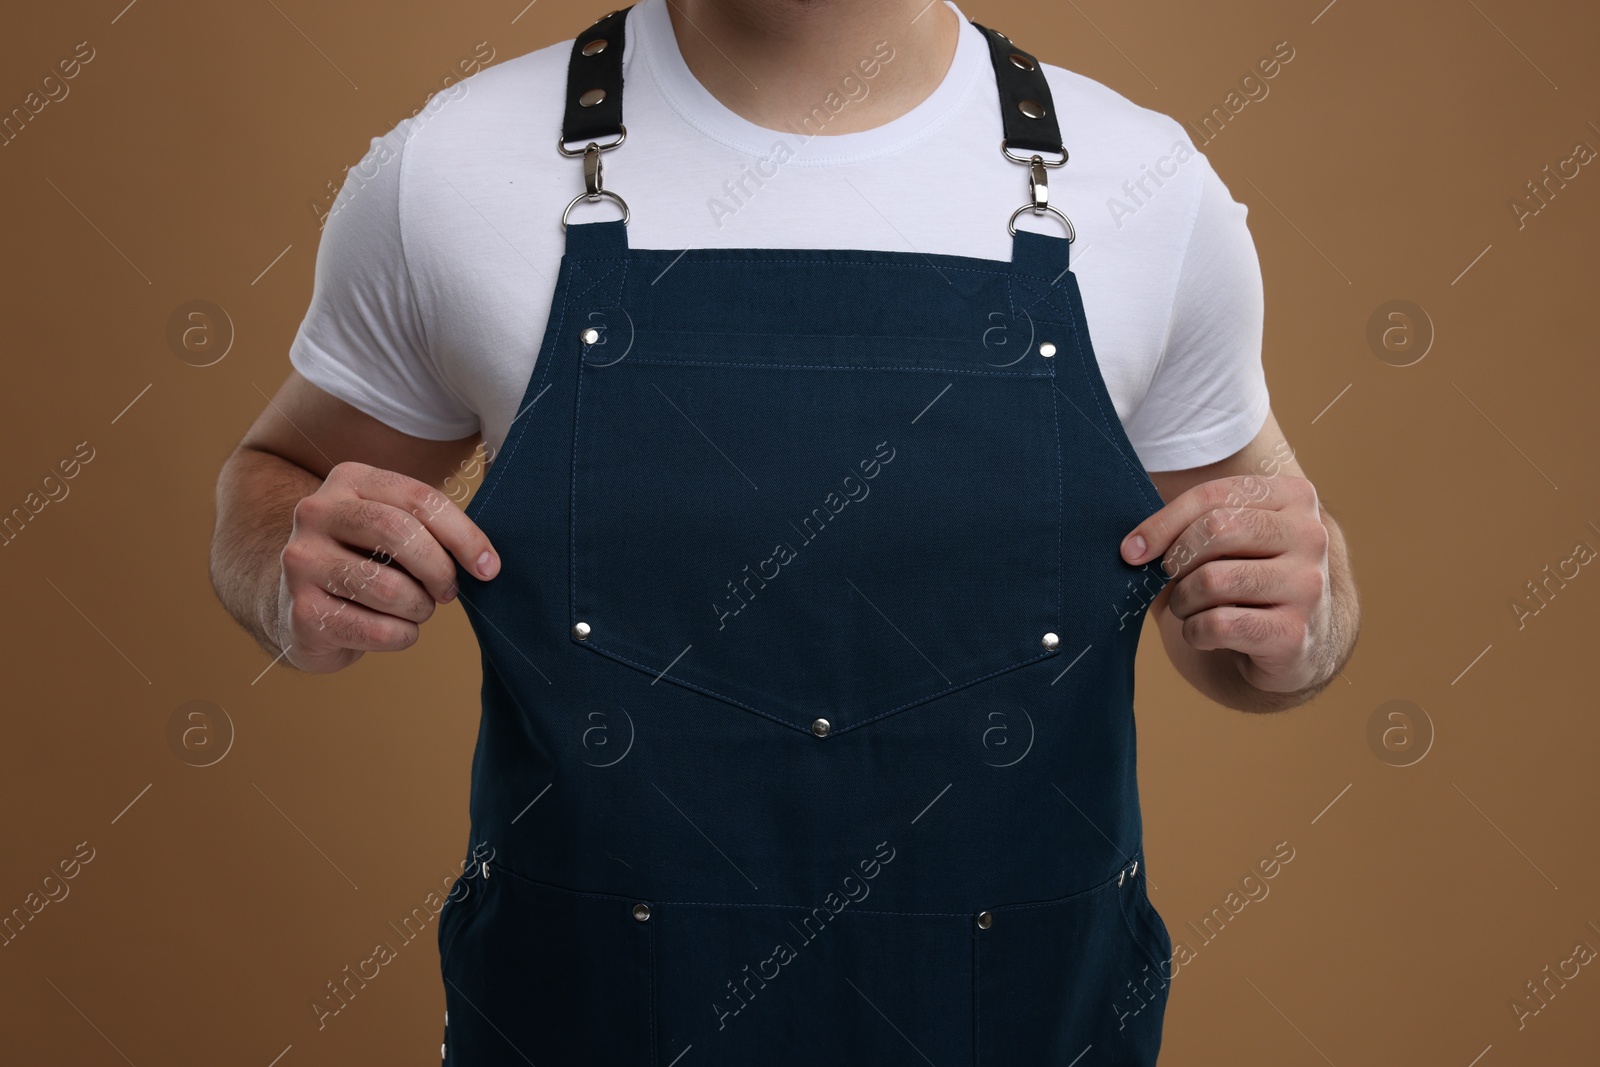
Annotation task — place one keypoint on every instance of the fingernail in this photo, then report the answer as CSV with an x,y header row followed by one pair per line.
x,y
449,594
1133,548
488,566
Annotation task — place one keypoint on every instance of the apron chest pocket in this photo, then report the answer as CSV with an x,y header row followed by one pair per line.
x,y
822,542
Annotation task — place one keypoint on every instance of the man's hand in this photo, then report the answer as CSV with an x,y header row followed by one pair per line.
x,y
1248,561
369,557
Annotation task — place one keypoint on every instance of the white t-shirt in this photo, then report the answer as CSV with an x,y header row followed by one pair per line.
x,y
437,262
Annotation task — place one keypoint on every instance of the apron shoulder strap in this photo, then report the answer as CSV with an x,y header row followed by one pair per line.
x,y
1026,108
594,86
594,90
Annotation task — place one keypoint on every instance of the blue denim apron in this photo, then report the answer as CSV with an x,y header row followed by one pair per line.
x,y
807,710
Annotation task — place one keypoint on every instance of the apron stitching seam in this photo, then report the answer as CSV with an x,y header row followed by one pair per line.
x,y
572,495
1061,506
820,366
1138,473
1137,943
499,467
955,687
598,279
1069,898
1002,272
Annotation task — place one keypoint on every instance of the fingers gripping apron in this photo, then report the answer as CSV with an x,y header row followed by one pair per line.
x,y
807,729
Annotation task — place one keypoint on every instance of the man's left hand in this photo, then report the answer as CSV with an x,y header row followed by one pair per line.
x,y
1247,559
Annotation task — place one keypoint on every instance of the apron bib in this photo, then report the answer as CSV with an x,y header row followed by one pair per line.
x,y
807,710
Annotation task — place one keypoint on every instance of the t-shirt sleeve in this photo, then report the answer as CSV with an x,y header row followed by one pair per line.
x,y
1208,397
363,337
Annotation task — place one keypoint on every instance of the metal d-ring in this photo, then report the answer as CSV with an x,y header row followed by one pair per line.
x,y
1005,147
609,195
622,135
1072,232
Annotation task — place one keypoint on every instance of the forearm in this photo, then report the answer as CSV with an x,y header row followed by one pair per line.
x,y
1329,645
256,496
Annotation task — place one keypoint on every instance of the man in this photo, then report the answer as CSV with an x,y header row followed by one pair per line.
x,y
813,474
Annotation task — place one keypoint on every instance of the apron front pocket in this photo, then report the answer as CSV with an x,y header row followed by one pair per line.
x,y
796,987
822,539
1058,978
541,974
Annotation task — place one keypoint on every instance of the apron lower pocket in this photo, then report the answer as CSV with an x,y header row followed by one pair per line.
x,y
1089,971
796,987
536,973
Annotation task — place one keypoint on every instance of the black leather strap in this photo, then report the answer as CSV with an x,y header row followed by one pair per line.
x,y
596,65
1025,104
595,69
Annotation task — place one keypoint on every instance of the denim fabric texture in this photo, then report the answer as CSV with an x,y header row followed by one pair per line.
x,y
779,487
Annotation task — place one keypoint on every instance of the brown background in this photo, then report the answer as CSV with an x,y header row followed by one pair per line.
x,y
1380,167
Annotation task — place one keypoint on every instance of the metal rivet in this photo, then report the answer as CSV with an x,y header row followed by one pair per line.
x,y
595,47
1047,349
581,631
641,913
594,96
590,336
820,727
1022,61
441,1051
1031,108
1050,641
985,920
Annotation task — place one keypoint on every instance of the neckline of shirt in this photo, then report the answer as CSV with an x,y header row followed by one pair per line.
x,y
651,37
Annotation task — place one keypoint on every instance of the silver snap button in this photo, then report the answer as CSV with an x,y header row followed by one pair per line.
x,y
820,727
1021,61
985,920
590,336
1050,642
1047,349
581,631
641,913
595,47
594,96
1031,108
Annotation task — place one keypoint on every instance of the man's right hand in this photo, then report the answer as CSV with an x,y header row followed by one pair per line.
x,y
368,559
